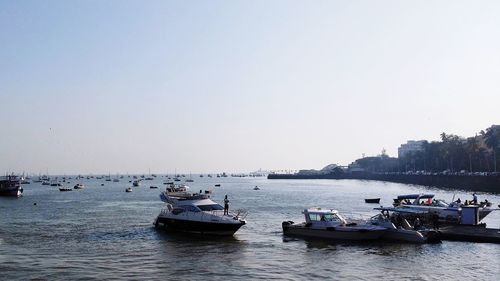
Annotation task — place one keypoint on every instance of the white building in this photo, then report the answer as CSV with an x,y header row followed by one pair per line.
x,y
410,146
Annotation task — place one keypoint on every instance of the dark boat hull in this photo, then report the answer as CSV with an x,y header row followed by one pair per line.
x,y
16,192
10,186
198,227
372,200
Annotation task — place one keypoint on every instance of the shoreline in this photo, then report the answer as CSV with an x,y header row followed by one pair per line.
x,y
490,184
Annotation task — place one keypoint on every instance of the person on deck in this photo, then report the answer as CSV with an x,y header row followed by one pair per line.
x,y
474,198
226,205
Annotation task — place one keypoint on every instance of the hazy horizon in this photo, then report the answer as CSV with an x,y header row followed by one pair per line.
x,y
211,86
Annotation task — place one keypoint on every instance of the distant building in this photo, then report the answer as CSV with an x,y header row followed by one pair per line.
x,y
409,147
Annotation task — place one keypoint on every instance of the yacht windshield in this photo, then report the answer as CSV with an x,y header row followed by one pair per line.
x,y
211,207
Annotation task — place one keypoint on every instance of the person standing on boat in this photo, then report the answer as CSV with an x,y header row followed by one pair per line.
x,y
226,205
474,198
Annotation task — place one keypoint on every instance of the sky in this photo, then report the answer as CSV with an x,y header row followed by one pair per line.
x,y
211,86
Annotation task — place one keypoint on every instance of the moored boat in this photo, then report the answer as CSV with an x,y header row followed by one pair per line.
x,y
65,189
10,186
399,229
372,200
78,186
447,212
329,224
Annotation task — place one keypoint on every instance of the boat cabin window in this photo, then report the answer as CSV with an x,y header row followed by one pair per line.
x,y
190,208
324,217
211,207
177,211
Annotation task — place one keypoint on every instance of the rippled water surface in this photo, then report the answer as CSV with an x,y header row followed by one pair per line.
x,y
102,232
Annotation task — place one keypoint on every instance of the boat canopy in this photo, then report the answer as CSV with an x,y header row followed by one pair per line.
x,y
319,211
402,210
415,196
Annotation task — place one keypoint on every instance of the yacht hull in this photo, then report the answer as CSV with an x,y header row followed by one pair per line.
x,y
213,228
15,192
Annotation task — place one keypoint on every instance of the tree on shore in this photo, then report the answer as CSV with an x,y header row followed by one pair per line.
x,y
491,139
452,154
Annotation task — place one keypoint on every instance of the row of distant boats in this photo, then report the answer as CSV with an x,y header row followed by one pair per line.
x,y
413,221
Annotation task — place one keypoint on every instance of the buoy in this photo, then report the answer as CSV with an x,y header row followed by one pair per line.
x,y
34,203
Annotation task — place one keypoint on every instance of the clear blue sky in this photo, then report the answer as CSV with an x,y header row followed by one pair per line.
x,y
210,86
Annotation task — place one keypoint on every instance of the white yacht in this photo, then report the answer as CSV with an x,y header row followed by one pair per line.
x,y
196,213
425,203
329,224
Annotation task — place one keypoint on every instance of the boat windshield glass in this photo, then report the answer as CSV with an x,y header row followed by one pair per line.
x,y
324,217
211,207
190,208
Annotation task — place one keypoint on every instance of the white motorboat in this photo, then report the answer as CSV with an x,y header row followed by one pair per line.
x,y
78,186
403,231
175,191
197,214
448,212
128,189
329,224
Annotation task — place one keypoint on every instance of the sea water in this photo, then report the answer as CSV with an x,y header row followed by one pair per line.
x,y
102,232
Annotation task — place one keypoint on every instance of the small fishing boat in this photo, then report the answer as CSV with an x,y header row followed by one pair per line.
x,y
256,188
129,189
65,189
372,200
329,224
78,186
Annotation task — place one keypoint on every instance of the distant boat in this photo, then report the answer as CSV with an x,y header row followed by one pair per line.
x,y
153,186
65,189
189,180
372,200
10,186
217,185
78,186
256,188
129,189
116,180
136,183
